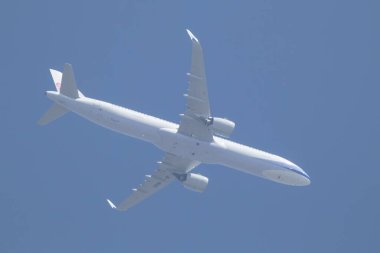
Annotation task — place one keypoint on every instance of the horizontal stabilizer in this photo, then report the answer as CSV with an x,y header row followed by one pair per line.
x,y
191,35
111,204
55,112
69,85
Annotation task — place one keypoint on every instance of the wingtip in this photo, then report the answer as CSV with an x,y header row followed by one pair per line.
x,y
191,35
111,204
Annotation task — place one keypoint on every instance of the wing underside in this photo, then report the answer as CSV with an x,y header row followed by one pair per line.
x,y
164,175
194,120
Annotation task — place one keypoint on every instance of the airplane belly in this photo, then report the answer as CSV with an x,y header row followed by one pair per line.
x,y
116,119
172,142
124,124
241,162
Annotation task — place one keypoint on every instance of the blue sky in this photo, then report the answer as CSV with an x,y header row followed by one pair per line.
x,y
299,78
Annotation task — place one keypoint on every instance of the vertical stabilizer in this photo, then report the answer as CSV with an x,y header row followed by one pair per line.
x,y
57,78
65,85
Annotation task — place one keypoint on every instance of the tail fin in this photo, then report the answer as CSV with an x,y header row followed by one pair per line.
x,y
55,112
65,83
57,78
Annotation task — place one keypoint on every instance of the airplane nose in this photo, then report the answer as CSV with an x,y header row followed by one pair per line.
x,y
287,175
286,172
303,177
303,181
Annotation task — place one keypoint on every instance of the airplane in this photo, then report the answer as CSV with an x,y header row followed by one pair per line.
x,y
198,138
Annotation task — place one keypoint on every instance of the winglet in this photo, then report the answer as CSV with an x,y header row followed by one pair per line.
x,y
191,35
111,204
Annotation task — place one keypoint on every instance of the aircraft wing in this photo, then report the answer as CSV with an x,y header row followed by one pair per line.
x,y
158,180
194,121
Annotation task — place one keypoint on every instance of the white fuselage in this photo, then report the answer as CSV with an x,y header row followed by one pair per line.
x,y
163,134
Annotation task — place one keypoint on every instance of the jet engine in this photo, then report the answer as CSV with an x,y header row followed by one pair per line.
x,y
222,127
195,182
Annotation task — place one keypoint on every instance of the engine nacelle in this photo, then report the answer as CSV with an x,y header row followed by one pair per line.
x,y
222,127
195,182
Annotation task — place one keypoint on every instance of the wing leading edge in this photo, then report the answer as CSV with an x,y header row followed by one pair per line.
x,y
164,175
194,122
